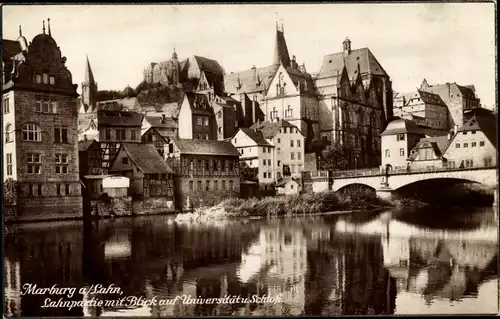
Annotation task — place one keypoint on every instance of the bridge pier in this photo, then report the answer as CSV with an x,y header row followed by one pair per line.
x,y
385,193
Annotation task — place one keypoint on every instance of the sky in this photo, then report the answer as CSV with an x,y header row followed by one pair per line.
x,y
452,42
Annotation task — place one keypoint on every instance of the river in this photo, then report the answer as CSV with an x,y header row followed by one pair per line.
x,y
426,261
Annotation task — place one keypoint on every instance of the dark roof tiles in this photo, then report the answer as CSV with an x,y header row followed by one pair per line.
x,y
206,147
147,158
257,137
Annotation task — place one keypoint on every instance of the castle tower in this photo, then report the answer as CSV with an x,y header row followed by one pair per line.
x,y
347,46
281,54
89,88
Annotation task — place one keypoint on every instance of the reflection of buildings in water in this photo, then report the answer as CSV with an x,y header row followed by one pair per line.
x,y
118,245
12,288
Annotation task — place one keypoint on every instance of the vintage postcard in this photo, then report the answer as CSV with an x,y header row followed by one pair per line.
x,y
249,160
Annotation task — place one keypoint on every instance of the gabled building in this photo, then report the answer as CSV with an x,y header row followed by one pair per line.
x,y
475,143
167,127
288,142
256,152
89,154
115,128
197,118
206,171
458,99
149,175
425,107
153,137
39,117
429,152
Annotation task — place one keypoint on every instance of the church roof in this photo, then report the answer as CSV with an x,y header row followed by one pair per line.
x,y
205,147
89,75
333,64
198,99
281,54
210,65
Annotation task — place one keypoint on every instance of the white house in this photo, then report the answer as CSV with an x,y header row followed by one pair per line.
x,y
288,141
475,143
257,152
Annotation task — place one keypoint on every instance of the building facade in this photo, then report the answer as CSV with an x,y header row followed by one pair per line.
x,y
288,144
258,153
40,143
423,107
197,118
206,171
458,99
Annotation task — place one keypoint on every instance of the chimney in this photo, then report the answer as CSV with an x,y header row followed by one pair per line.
x,y
163,119
84,137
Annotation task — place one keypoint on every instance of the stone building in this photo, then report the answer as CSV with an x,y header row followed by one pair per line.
x,y
40,128
196,117
349,101
425,108
458,99
206,171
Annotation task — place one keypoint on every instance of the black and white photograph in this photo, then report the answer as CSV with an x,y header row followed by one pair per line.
x,y
293,159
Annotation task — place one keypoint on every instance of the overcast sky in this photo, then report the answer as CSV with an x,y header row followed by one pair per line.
x,y
439,42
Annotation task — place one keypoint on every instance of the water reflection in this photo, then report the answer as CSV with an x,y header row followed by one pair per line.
x,y
371,263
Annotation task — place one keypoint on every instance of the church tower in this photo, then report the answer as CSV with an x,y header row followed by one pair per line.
x,y
89,88
281,54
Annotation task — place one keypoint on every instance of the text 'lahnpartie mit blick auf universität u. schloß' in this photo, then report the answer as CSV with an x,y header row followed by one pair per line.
x,y
56,297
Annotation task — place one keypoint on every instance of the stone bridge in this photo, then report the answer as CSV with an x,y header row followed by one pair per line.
x,y
385,183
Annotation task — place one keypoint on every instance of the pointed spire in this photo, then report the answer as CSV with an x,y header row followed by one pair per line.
x,y
281,54
43,27
48,26
20,31
89,76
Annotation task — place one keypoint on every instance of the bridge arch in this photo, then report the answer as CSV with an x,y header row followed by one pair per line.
x,y
347,187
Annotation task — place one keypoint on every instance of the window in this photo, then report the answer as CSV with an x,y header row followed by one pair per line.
x,y
67,189
292,155
279,163
216,165
264,174
108,133
291,143
54,107
207,185
199,120
235,141
488,162
220,130
46,105
469,163
298,143
274,113
38,78
269,162
387,153
8,136
199,185
34,163
270,174
120,134
206,137
473,144
124,160
289,111
299,157
33,189
216,185
207,165
279,140
219,114
466,145
31,132
231,165
61,163
464,133
9,163
279,150
264,162
400,137
401,152
473,132
40,190
457,145
52,80
45,78
58,189
284,130
292,168
61,135
205,120
223,185
6,105
481,143
231,185
132,135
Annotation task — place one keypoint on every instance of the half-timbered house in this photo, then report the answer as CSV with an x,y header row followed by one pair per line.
x,y
89,156
153,137
206,172
150,175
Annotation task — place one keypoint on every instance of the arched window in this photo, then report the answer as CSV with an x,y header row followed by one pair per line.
x,y
289,111
31,132
274,113
8,131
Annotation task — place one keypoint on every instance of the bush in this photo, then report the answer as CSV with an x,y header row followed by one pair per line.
x,y
10,192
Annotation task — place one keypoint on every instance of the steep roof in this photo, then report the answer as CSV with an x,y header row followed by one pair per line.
x,y
482,120
282,182
89,76
438,143
216,80
270,129
147,158
160,122
119,118
196,100
447,89
257,137
281,54
426,97
85,144
333,64
10,48
251,80
205,147
210,65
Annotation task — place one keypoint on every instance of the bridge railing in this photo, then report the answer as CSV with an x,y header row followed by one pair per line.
x,y
431,169
357,172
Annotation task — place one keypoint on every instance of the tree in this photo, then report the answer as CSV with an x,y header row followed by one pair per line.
x,y
334,157
10,192
248,173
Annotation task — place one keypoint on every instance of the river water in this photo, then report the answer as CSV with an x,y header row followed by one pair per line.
x,y
428,261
